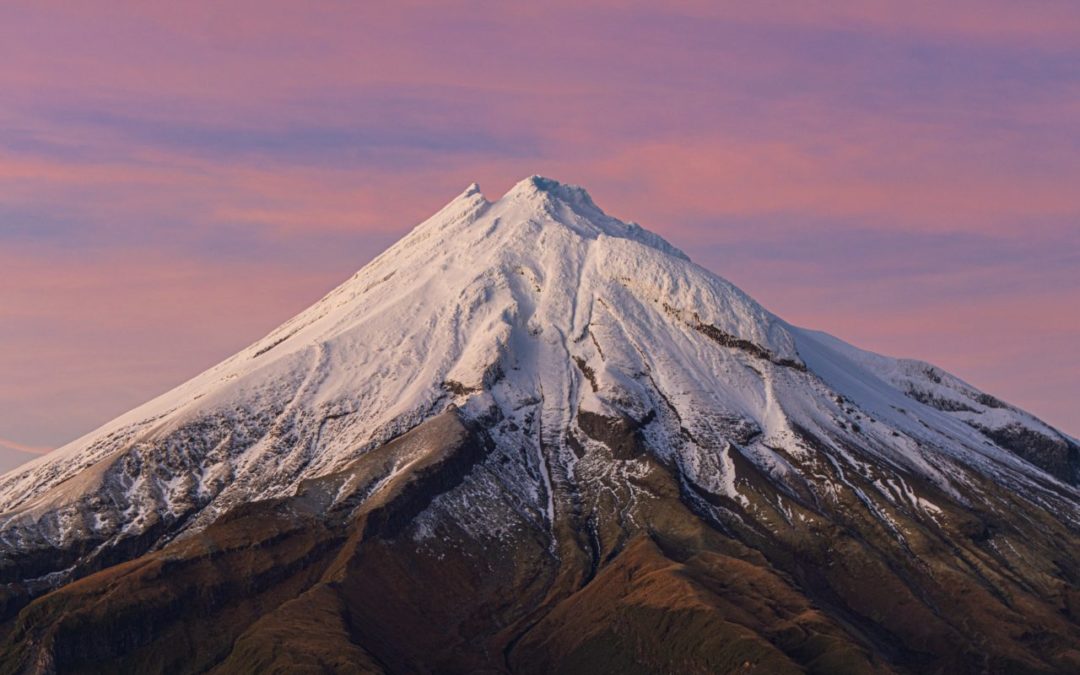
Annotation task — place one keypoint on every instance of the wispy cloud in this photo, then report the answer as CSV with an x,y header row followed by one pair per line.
x,y
22,447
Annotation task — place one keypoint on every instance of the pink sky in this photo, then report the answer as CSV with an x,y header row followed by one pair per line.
x,y
177,180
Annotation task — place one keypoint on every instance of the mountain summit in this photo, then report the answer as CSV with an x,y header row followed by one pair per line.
x,y
530,437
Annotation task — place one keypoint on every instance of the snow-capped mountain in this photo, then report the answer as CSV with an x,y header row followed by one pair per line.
x,y
609,389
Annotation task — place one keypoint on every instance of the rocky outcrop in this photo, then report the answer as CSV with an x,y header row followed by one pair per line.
x,y
1057,456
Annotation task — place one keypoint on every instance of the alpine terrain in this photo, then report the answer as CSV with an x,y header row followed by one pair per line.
x,y
532,438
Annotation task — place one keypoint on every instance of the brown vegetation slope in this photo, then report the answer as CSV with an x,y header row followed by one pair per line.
x,y
376,569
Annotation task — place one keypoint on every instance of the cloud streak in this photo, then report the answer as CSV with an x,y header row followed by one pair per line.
x,y
22,447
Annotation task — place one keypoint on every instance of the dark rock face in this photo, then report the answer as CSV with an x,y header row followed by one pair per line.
x,y
944,404
1057,456
621,434
755,350
373,569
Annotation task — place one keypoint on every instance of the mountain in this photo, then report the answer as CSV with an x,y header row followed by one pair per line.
x,y
530,437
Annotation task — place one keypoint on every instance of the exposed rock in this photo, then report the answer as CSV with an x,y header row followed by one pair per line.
x,y
1057,456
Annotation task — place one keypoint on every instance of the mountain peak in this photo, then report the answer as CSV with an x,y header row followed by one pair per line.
x,y
573,206
537,185
531,202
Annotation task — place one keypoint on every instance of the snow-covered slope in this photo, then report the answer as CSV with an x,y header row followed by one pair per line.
x,y
536,316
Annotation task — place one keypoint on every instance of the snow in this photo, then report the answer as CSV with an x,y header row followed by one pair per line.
x,y
488,305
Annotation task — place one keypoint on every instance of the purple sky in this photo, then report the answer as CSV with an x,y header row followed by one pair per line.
x,y
177,180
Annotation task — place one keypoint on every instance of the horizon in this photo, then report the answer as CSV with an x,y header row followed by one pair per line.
x,y
175,183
